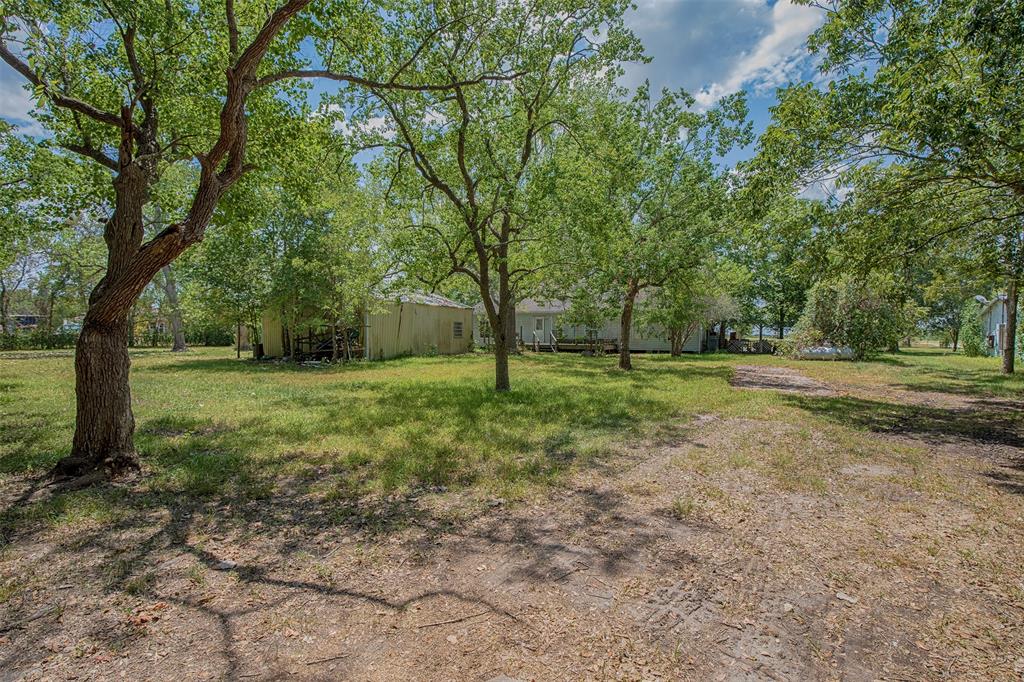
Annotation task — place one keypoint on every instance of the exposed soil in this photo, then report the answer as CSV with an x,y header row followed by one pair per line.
x,y
778,379
669,562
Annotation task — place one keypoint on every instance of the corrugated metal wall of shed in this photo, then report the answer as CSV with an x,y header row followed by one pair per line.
x,y
414,329
273,335
382,329
447,318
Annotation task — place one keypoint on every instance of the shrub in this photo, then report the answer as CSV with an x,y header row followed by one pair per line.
x,y
198,334
38,340
972,336
865,314
786,348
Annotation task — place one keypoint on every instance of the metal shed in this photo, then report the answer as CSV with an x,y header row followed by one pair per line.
x,y
408,324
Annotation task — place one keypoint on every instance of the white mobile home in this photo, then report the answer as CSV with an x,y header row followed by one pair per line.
x,y
541,323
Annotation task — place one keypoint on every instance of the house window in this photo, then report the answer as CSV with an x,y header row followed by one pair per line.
x,y
457,330
539,324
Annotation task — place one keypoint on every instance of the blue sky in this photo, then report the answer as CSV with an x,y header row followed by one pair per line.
x,y
714,47
708,47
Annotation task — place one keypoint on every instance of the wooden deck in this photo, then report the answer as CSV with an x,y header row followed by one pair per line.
x,y
577,346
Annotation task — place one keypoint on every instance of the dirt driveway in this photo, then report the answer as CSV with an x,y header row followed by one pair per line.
x,y
729,548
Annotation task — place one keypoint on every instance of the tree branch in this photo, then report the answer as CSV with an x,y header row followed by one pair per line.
x,y
381,85
58,99
93,153
229,11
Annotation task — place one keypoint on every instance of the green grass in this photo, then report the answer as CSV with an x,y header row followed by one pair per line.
x,y
208,424
211,426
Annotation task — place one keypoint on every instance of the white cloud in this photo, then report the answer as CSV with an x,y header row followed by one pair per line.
x,y
435,118
778,56
693,42
826,189
16,102
375,125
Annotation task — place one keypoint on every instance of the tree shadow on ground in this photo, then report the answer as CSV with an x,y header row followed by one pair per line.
x,y
936,425
685,368
158,540
448,430
246,365
971,383
256,478
991,432
961,379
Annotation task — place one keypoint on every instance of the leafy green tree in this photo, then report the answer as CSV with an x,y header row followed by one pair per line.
x,y
943,297
782,254
41,190
465,165
44,198
972,335
71,263
645,195
339,266
138,87
588,309
730,301
685,306
226,282
864,314
929,88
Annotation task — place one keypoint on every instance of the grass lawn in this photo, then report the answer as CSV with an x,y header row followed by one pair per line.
x,y
208,424
382,453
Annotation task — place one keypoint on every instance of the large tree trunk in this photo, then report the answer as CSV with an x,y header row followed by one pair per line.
x,y
510,325
243,338
505,337
4,307
501,378
498,313
626,327
956,337
782,322
177,327
1010,351
104,424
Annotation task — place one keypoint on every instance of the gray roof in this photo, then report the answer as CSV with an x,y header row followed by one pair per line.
x,y
532,306
987,305
529,306
429,299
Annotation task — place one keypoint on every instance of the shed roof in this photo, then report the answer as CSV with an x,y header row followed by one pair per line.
x,y
988,305
429,299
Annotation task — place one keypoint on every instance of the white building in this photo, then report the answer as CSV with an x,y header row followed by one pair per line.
x,y
541,323
993,324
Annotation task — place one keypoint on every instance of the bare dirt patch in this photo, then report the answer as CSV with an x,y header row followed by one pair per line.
x,y
764,377
711,554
